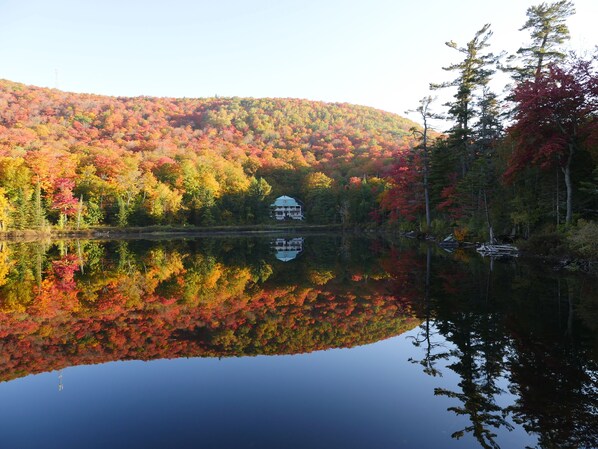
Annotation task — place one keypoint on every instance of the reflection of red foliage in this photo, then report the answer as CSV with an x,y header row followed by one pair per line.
x,y
63,270
72,322
405,268
58,290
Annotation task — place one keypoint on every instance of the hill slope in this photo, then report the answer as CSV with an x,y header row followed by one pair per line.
x,y
153,160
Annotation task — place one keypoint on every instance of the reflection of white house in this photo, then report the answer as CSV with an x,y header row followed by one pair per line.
x,y
287,249
286,207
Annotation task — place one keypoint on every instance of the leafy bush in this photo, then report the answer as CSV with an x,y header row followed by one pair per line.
x,y
584,239
553,245
461,233
441,227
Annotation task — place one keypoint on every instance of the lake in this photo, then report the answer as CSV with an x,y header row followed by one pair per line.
x,y
327,341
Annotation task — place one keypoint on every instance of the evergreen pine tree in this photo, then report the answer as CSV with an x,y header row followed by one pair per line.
x,y
548,32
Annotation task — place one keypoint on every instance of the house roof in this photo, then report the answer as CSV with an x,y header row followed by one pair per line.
x,y
284,201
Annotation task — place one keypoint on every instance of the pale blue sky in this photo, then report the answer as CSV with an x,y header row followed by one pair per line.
x,y
380,53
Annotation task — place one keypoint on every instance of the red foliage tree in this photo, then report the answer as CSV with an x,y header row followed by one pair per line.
x,y
63,198
450,198
555,119
405,197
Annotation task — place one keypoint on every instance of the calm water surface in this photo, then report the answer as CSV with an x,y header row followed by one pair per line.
x,y
291,342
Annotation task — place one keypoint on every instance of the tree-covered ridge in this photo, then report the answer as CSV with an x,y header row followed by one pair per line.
x,y
510,164
97,159
76,304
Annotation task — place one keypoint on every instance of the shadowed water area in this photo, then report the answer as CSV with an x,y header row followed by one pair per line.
x,y
294,342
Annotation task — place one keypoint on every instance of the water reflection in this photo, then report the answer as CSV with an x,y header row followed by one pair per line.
x,y
287,249
516,340
521,342
91,302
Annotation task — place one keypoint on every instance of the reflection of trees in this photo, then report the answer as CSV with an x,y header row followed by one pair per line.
x,y
474,334
512,328
477,352
92,302
425,337
480,366
554,370
5,262
480,348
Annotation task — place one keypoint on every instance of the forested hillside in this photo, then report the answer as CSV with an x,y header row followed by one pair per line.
x,y
77,160
513,163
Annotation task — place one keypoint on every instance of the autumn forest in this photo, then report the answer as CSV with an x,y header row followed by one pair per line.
x,y
515,162
148,230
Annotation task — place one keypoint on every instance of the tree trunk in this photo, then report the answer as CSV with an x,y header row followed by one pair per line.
x,y
570,296
79,211
567,172
558,221
427,198
426,166
541,57
490,230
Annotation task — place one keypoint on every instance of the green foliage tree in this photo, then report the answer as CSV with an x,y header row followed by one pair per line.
x,y
256,205
548,30
462,165
474,72
5,211
123,212
321,199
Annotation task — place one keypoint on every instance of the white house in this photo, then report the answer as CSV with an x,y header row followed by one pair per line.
x,y
286,207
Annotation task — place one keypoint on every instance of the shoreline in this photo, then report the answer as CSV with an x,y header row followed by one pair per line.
x,y
565,262
100,233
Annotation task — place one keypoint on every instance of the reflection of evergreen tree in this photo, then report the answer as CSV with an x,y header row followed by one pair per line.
x,y
555,374
479,348
510,325
480,367
479,351
425,338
